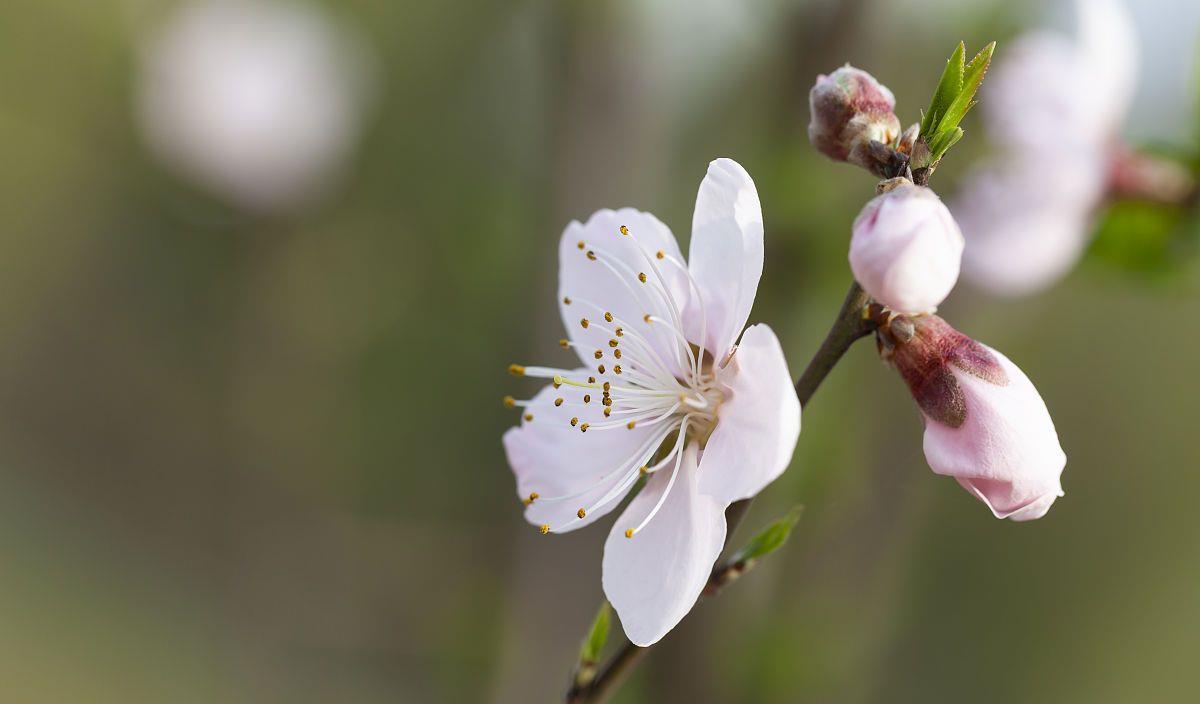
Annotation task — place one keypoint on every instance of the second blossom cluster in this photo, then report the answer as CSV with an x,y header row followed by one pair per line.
x,y
986,425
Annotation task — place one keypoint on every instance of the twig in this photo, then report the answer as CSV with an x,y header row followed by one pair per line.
x,y
849,326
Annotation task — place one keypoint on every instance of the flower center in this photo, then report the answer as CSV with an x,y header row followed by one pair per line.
x,y
642,375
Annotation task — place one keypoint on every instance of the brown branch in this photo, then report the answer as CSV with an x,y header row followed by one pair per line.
x,y
849,326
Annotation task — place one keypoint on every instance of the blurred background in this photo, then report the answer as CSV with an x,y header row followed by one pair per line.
x,y
263,265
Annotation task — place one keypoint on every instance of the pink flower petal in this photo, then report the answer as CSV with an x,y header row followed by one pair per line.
x,y
726,255
654,578
758,423
602,277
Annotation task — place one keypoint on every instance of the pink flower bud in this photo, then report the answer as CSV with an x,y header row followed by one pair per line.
x,y
850,109
906,248
985,423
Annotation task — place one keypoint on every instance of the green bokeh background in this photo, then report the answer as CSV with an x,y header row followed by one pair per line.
x,y
257,460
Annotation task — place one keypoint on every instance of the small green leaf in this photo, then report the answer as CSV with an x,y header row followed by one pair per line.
x,y
589,652
953,98
972,79
770,539
942,143
947,90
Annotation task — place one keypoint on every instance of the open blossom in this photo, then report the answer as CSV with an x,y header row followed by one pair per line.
x,y
850,110
1054,107
665,390
260,101
985,423
906,248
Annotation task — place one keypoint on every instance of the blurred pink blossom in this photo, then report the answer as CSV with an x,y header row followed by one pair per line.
x,y
259,101
1054,106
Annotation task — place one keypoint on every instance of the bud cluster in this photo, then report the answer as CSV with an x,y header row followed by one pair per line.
x,y
985,423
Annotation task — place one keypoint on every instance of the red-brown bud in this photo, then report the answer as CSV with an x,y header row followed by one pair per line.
x,y
922,349
850,111
985,423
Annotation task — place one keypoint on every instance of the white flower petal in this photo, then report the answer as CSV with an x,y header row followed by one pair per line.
x,y
550,457
725,255
654,578
609,283
758,424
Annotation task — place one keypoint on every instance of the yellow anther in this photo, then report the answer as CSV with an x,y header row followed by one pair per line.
x,y
607,401
617,369
646,317
628,532
581,513
558,402
608,317
587,398
660,254
607,386
591,255
580,244
574,421
620,332
510,402
607,411
631,424
528,417
584,323
516,370
642,276
624,230
566,300
558,380
643,470
546,529
613,342
599,354
564,343
533,496
617,353
600,368
583,428
591,380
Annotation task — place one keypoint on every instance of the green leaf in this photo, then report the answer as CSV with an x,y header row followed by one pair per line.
x,y
953,98
589,652
770,539
947,90
972,79
943,141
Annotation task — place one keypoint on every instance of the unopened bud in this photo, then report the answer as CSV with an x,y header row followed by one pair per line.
x,y
906,249
850,111
985,423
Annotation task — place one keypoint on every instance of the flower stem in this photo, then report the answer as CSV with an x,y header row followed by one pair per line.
x,y
849,326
